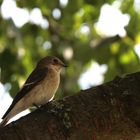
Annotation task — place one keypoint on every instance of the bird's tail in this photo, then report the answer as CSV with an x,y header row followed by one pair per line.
x,y
4,122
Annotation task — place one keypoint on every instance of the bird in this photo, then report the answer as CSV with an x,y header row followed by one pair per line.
x,y
39,88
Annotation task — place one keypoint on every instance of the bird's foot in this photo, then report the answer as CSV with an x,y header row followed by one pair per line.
x,y
38,107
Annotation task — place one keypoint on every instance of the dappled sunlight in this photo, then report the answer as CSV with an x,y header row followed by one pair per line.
x,y
5,101
9,10
137,49
63,3
21,16
56,13
111,21
68,53
137,5
36,18
93,76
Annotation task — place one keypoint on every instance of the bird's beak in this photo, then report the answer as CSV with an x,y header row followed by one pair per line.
x,y
63,65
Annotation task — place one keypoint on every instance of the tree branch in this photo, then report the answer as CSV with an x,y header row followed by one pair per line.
x,y
107,112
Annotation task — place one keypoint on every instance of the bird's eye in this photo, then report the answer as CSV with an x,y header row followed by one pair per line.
x,y
55,60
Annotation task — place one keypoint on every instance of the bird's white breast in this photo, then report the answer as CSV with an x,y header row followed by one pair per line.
x,y
45,91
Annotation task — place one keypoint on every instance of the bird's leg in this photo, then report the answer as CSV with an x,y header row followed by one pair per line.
x,y
34,104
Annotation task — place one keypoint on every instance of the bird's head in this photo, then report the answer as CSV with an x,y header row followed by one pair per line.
x,y
51,62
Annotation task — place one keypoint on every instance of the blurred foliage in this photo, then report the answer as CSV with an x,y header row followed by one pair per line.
x,y
21,48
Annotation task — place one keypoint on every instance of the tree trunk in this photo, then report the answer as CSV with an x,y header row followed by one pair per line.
x,y
107,112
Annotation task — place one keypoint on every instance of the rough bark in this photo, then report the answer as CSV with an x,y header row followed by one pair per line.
x,y
107,112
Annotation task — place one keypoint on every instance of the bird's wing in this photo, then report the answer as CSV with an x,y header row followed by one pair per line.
x,y
35,77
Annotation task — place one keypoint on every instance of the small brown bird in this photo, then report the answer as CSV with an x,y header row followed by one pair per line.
x,y
39,88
